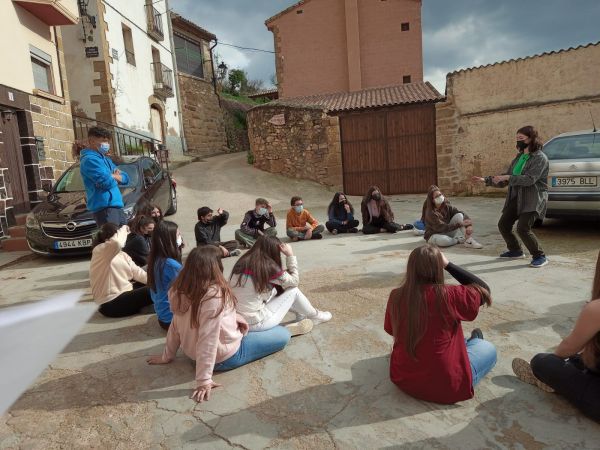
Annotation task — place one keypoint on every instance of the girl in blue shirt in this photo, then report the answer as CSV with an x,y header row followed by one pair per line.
x,y
164,264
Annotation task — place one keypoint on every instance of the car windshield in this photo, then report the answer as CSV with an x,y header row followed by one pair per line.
x,y
584,146
72,181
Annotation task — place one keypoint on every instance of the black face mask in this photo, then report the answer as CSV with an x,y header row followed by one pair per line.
x,y
521,145
376,197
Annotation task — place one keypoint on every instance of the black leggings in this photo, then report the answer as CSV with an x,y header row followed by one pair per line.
x,y
342,228
570,379
377,224
127,304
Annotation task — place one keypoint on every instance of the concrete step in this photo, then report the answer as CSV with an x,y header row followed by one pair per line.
x,y
18,231
18,244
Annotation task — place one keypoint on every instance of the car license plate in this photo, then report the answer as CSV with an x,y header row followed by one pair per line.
x,y
574,181
75,243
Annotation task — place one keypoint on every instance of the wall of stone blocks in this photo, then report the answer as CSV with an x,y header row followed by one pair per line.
x,y
307,145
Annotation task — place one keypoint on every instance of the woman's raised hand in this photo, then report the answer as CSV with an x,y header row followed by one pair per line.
x,y
286,249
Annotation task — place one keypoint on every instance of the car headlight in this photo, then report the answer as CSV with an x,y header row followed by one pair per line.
x,y
32,222
128,212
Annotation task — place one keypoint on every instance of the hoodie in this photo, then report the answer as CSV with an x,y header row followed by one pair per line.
x,y
101,189
437,220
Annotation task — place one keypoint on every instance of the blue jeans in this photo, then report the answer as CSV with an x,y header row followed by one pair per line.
x,y
110,215
482,356
256,345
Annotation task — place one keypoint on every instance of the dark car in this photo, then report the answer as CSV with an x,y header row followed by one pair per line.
x,y
61,225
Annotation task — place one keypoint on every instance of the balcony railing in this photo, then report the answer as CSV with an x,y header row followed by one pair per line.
x,y
155,26
163,80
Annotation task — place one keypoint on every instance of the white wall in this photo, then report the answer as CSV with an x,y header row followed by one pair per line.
x,y
134,85
18,30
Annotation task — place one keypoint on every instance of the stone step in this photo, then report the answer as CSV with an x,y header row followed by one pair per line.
x,y
18,244
18,231
21,219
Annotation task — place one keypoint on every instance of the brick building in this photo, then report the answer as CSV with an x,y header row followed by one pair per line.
x,y
346,45
201,112
36,131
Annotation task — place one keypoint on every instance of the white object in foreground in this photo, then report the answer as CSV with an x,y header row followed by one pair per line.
x,y
31,336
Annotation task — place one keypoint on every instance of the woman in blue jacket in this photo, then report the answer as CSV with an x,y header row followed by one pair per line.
x,y
164,264
341,215
101,179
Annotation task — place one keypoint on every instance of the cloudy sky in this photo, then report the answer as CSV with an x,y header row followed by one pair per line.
x,y
456,33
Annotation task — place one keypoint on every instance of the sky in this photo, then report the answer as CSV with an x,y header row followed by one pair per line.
x,y
456,33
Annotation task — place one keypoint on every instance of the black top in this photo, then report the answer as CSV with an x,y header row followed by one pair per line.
x,y
463,276
138,247
210,233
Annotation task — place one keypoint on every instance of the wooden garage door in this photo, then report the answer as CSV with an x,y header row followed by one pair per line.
x,y
393,149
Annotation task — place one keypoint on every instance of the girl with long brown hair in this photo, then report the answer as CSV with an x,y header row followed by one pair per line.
x,y
266,292
206,326
377,214
431,360
573,370
527,196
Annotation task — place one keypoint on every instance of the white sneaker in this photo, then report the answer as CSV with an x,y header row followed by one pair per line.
x,y
321,316
302,327
460,239
236,252
472,243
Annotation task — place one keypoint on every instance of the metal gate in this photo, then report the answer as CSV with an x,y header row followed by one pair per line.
x,y
393,149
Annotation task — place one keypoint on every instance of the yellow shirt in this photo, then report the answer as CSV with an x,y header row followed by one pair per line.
x,y
297,222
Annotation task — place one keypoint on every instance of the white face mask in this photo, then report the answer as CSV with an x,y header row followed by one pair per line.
x,y
439,200
179,241
262,211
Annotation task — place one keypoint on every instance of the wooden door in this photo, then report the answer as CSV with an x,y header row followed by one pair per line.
x,y
11,157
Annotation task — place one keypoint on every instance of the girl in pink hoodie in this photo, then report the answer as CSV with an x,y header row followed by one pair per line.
x,y
206,326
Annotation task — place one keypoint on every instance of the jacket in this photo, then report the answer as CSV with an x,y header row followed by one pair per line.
x,y
210,233
217,338
165,272
111,270
530,189
251,304
138,247
437,220
101,189
337,216
252,223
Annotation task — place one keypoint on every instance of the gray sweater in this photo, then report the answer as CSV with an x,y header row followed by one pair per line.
x,y
530,189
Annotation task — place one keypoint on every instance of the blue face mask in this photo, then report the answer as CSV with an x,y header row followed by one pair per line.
x,y
104,148
299,208
262,211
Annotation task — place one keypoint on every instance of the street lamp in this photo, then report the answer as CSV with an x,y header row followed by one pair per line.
x,y
222,70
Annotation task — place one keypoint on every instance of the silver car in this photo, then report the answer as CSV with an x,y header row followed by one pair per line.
x,y
573,188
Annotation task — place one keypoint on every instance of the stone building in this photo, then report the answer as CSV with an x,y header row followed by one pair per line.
x,y
120,64
36,131
346,45
382,136
556,92
201,112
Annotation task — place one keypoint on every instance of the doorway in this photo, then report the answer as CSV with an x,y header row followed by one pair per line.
x,y
157,123
11,157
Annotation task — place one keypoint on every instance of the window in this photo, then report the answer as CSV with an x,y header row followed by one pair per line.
x,y
188,55
128,41
585,146
406,79
405,26
41,64
151,170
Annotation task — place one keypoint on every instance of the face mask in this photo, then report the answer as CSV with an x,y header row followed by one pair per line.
x,y
439,200
262,211
342,200
521,145
104,148
179,241
299,209
376,197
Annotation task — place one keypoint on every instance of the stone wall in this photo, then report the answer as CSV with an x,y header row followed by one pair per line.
x,y
296,142
202,116
477,123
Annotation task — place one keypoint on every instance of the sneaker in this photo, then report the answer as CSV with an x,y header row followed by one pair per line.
x,y
407,226
538,262
302,327
522,370
353,230
418,232
236,252
472,243
512,254
321,316
476,334
460,240
317,236
334,231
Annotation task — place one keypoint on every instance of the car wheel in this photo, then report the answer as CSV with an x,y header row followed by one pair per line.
x,y
173,206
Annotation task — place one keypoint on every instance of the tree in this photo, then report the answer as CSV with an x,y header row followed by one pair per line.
x,y
238,80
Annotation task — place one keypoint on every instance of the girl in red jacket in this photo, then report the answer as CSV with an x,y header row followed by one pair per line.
x,y
431,360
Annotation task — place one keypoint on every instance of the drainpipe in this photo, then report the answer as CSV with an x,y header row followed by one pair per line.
x,y
212,66
176,76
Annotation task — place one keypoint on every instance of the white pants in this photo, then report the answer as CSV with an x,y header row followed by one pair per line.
x,y
291,300
450,238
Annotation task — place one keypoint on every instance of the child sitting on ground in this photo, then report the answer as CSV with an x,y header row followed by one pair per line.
x,y
253,225
300,224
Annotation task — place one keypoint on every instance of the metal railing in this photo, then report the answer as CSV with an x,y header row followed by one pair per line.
x,y
155,26
163,80
124,142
